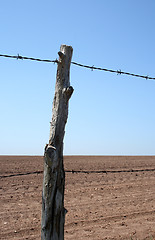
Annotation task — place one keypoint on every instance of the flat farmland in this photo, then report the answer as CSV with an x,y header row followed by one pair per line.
x,y
107,197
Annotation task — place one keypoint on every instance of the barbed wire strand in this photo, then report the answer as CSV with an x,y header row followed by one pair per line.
x,y
113,71
29,58
83,171
80,65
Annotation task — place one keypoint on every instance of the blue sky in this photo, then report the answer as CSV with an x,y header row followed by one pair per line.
x,y
109,114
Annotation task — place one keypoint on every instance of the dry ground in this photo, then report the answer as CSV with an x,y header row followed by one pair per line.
x,y
117,204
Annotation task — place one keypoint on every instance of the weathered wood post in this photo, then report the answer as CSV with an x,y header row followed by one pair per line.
x,y
53,211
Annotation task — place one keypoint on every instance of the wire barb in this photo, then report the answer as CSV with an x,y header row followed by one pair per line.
x,y
92,68
19,57
119,72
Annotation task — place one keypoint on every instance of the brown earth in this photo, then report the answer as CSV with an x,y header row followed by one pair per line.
x,y
115,202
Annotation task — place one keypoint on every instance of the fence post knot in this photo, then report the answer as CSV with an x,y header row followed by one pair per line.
x,y
67,92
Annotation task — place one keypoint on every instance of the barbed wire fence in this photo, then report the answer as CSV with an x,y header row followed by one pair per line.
x,y
19,57
119,72
84,172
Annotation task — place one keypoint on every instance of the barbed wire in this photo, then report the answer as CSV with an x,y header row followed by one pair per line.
x,y
110,171
119,72
113,71
84,171
29,58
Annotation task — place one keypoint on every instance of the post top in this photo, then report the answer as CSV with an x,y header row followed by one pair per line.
x,y
65,46
65,49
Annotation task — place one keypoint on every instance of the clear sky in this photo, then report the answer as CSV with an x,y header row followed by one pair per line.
x,y
109,114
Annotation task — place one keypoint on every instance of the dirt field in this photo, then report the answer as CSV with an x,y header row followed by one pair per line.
x,y
115,202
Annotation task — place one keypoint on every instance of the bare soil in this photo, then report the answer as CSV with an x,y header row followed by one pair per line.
x,y
110,197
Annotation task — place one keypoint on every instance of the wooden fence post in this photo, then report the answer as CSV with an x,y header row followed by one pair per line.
x,y
53,211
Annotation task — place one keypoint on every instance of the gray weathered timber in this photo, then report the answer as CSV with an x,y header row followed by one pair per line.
x,y
53,211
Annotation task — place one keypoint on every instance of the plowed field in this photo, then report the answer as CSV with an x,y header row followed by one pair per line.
x,y
107,198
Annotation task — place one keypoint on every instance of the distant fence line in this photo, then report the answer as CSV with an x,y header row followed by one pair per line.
x,y
83,171
80,65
